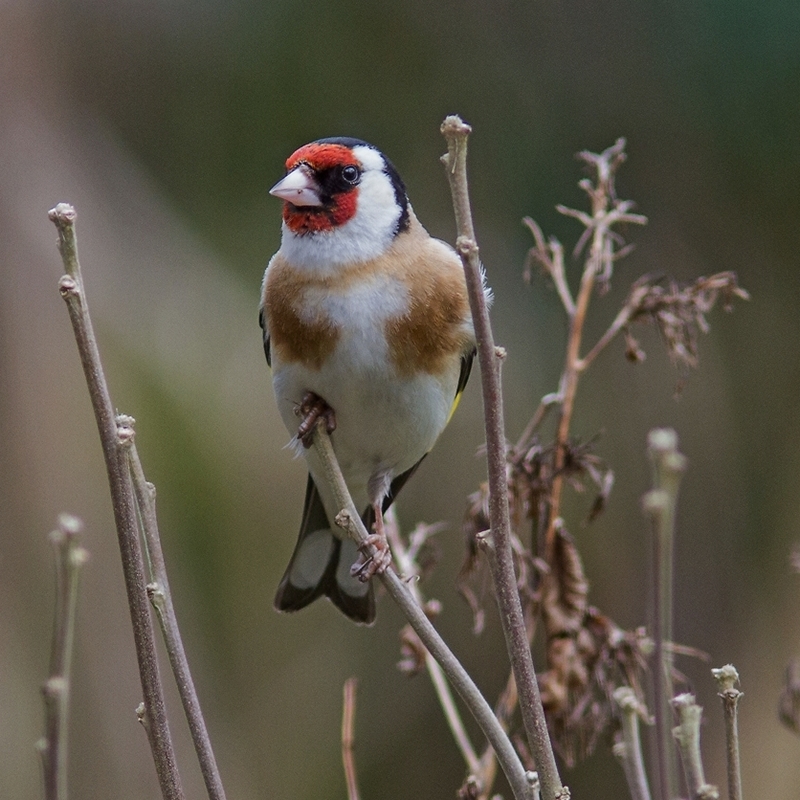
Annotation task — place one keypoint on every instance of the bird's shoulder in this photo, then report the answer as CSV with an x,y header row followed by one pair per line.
x,y
436,327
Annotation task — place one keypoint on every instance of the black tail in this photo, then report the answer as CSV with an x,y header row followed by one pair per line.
x,y
320,565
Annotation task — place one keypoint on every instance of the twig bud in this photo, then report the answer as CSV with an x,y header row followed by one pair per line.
x,y
68,287
344,520
662,440
125,429
62,214
70,524
453,125
655,502
55,686
78,556
533,781
727,677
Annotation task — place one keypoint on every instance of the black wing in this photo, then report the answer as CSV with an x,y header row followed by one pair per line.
x,y
263,323
466,368
354,599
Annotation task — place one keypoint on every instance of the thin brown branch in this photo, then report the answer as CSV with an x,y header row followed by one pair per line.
x,y
727,677
114,440
567,390
508,698
550,255
789,701
545,404
606,212
619,323
349,520
456,133
408,569
349,738
161,598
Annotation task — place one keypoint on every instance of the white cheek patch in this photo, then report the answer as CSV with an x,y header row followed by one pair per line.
x,y
378,212
369,157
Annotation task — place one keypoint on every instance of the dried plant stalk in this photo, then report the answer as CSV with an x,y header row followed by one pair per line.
x,y
349,738
727,677
52,747
456,132
629,749
114,439
350,521
687,734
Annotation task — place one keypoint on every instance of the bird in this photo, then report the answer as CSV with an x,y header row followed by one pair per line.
x,y
366,324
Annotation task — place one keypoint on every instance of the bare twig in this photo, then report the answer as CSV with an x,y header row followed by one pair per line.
x,y
547,402
620,322
607,212
349,738
52,747
659,505
551,256
160,596
114,439
408,569
687,734
629,750
349,520
727,677
789,701
456,133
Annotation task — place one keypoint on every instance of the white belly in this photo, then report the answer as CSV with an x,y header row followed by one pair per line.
x,y
385,422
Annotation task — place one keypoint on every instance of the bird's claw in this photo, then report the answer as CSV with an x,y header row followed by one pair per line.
x,y
375,557
311,409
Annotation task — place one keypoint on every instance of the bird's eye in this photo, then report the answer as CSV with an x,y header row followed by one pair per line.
x,y
350,174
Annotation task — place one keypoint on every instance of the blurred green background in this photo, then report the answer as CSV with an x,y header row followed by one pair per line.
x,y
165,123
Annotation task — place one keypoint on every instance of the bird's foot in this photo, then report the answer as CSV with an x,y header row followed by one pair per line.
x,y
375,558
311,409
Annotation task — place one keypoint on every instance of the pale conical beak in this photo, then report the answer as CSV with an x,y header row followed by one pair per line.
x,y
298,188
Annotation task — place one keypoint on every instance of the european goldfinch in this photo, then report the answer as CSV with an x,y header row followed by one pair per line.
x,y
366,323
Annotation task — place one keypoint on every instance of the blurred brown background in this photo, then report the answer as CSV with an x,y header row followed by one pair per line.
x,y
165,124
